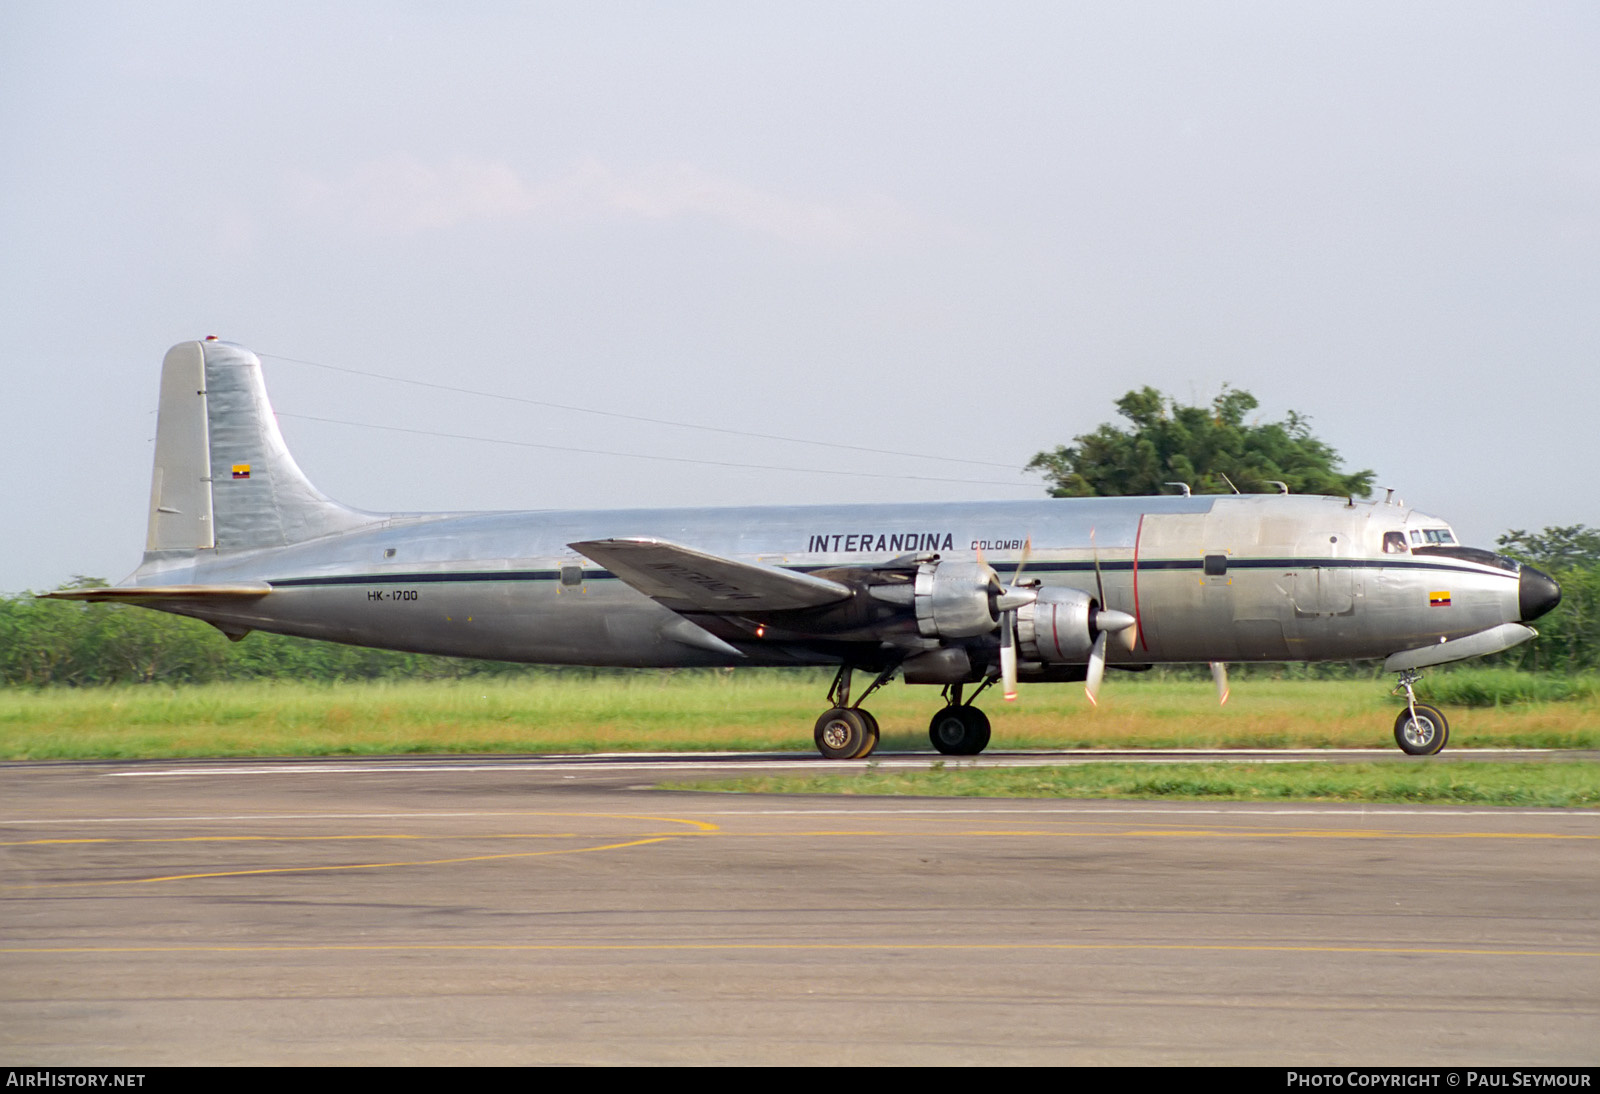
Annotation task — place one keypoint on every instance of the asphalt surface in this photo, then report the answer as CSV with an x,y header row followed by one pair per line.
x,y
548,911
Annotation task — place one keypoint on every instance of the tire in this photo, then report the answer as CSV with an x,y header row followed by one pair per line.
x,y
959,731
1424,735
872,735
843,734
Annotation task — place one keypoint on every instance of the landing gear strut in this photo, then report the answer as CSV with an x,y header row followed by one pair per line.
x,y
1420,730
845,731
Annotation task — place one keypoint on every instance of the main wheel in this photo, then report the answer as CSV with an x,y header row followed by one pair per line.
x,y
959,731
1422,735
843,734
872,734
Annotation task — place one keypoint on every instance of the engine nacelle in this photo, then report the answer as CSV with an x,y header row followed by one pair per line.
x,y
955,599
1057,627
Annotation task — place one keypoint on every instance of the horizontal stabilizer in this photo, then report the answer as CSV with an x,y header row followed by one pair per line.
x,y
688,580
138,594
1481,644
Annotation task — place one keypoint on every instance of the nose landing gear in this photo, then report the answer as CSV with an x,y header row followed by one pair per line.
x,y
1420,729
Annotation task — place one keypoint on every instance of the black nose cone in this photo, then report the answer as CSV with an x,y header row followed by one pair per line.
x,y
1536,594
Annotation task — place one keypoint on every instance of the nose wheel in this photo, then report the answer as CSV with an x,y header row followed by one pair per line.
x,y
1420,729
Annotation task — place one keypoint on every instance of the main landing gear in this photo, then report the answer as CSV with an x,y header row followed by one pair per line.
x,y
847,732
960,729
1420,729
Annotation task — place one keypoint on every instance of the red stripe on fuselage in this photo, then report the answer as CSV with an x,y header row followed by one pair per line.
x,y
1137,625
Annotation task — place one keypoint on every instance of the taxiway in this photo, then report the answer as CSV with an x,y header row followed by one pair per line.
x,y
558,911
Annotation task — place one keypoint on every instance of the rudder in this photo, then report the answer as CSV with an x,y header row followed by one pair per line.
x,y
223,476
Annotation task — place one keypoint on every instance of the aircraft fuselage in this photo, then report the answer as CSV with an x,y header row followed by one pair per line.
x,y
1213,578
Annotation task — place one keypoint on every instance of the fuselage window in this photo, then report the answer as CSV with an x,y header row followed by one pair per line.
x,y
1394,543
571,575
1216,565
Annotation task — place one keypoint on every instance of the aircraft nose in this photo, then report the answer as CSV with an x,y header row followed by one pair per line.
x,y
1536,594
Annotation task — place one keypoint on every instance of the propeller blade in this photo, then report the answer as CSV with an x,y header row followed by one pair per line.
x,y
1099,585
1008,598
1022,562
996,588
1008,654
1096,670
1219,673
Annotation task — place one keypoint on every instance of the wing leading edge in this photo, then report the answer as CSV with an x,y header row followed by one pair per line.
x,y
137,594
684,579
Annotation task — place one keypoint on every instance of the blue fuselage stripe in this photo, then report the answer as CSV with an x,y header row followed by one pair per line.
x,y
1083,566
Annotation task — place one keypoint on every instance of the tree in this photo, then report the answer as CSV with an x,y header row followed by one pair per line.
x,y
1196,445
1556,548
1569,637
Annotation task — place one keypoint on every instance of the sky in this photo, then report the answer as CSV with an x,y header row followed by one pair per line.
x,y
940,231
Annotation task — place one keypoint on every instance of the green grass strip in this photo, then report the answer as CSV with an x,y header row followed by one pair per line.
x,y
754,710
1563,785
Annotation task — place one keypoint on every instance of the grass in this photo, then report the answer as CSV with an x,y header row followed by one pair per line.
x,y
743,711
1545,785
1479,687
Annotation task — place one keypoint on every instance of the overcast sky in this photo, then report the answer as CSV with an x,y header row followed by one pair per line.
x,y
958,230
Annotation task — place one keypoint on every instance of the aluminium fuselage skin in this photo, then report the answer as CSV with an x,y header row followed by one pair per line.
x,y
1211,578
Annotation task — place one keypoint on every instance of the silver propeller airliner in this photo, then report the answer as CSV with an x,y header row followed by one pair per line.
x,y
956,595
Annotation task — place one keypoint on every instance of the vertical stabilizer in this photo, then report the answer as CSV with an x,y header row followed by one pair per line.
x,y
223,476
180,486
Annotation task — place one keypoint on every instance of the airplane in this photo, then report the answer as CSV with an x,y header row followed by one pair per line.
x,y
955,595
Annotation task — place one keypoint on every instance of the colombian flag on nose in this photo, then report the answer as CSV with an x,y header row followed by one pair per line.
x,y
241,471
1439,599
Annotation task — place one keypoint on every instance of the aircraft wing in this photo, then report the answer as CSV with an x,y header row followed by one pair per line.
x,y
135,594
684,579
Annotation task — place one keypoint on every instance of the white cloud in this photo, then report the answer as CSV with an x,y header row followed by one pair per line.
x,y
401,195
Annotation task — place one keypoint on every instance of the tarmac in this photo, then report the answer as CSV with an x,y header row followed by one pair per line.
x,y
562,911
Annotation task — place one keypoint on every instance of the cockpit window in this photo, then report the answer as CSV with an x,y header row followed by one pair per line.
x,y
1432,537
1394,543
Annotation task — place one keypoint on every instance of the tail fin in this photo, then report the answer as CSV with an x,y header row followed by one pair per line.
x,y
223,477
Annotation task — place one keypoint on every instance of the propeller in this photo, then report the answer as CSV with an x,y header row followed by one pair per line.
x,y
1219,673
1105,622
1007,599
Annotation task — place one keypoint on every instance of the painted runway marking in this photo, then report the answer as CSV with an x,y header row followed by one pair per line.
x,y
888,808
235,817
732,761
302,869
824,947
700,829
697,828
